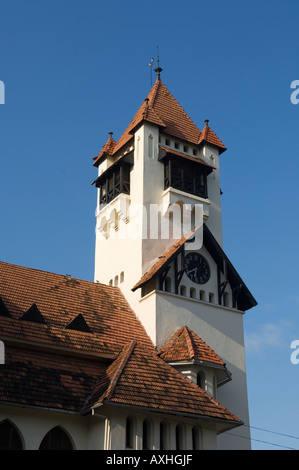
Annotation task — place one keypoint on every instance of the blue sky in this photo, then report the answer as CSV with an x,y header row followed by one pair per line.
x,y
74,71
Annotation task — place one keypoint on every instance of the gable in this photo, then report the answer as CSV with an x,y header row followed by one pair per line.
x,y
138,377
225,275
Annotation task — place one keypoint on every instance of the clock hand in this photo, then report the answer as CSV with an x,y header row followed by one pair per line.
x,y
191,270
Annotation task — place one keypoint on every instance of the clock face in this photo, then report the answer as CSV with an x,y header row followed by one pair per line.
x,y
197,268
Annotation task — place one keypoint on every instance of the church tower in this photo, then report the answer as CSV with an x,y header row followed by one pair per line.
x,y
159,239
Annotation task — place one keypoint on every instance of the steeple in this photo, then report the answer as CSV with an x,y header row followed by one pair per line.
x,y
162,109
161,166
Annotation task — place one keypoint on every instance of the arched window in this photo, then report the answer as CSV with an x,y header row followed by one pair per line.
x,y
103,228
9,437
114,220
226,302
182,290
146,435
201,379
130,432
56,439
202,295
150,146
168,284
179,437
163,436
193,293
214,387
196,438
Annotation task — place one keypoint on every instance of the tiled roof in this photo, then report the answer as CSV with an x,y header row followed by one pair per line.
x,y
139,378
177,122
62,298
187,157
162,109
163,260
209,136
44,379
107,149
90,349
185,345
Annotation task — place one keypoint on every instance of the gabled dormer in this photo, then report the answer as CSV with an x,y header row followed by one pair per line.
x,y
205,274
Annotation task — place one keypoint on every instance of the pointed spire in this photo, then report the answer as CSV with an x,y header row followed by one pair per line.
x,y
207,135
107,149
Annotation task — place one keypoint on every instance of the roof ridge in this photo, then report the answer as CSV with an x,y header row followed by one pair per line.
x,y
173,338
161,260
129,349
186,114
189,383
190,343
145,113
99,391
208,135
154,90
13,265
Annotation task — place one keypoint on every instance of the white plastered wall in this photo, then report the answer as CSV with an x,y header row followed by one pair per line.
x,y
33,424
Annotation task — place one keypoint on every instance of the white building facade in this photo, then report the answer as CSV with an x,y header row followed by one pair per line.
x,y
167,169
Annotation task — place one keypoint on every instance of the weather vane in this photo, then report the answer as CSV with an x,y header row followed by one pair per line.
x,y
150,64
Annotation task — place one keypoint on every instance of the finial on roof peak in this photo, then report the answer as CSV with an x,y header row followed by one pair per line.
x,y
158,69
111,134
207,122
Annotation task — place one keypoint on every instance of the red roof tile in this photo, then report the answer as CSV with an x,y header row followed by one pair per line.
x,y
107,149
162,109
185,345
187,157
139,378
209,136
43,379
61,298
163,260
111,361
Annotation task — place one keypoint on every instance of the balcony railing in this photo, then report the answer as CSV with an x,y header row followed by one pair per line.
x,y
114,182
186,177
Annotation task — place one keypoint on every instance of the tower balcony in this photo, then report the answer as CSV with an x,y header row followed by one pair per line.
x,y
185,179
